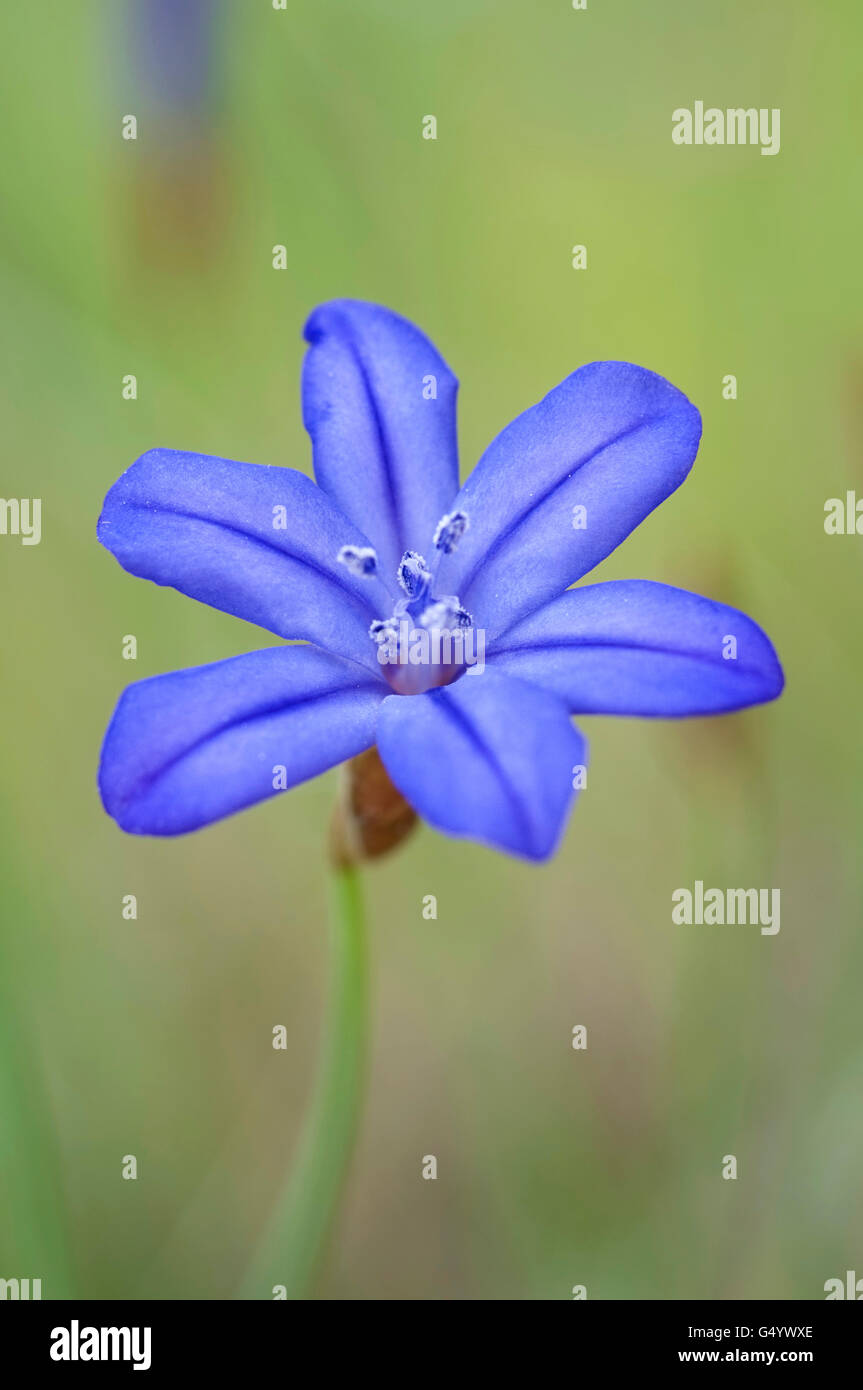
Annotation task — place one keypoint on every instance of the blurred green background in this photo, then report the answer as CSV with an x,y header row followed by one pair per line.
x,y
153,1037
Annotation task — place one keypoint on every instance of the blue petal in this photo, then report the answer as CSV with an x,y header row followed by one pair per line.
x,y
633,647
385,454
489,757
612,438
185,749
206,527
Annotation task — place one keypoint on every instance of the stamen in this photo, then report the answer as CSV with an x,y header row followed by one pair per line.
x,y
437,615
445,613
450,530
382,630
359,559
413,574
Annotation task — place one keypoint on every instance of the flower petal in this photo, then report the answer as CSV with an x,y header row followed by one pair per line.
x,y
634,647
386,455
185,749
210,528
489,757
612,438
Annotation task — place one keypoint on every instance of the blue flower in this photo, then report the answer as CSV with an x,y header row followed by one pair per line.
x,y
386,550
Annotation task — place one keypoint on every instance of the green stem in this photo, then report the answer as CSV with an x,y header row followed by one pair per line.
x,y
294,1243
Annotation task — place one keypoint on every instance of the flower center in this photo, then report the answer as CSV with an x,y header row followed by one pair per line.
x,y
429,639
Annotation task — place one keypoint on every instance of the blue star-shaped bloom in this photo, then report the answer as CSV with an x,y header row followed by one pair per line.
x,y
386,547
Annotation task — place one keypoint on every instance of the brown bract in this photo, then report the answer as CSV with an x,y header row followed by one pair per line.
x,y
370,817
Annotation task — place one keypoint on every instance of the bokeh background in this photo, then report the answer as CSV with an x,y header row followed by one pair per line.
x,y
153,1037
